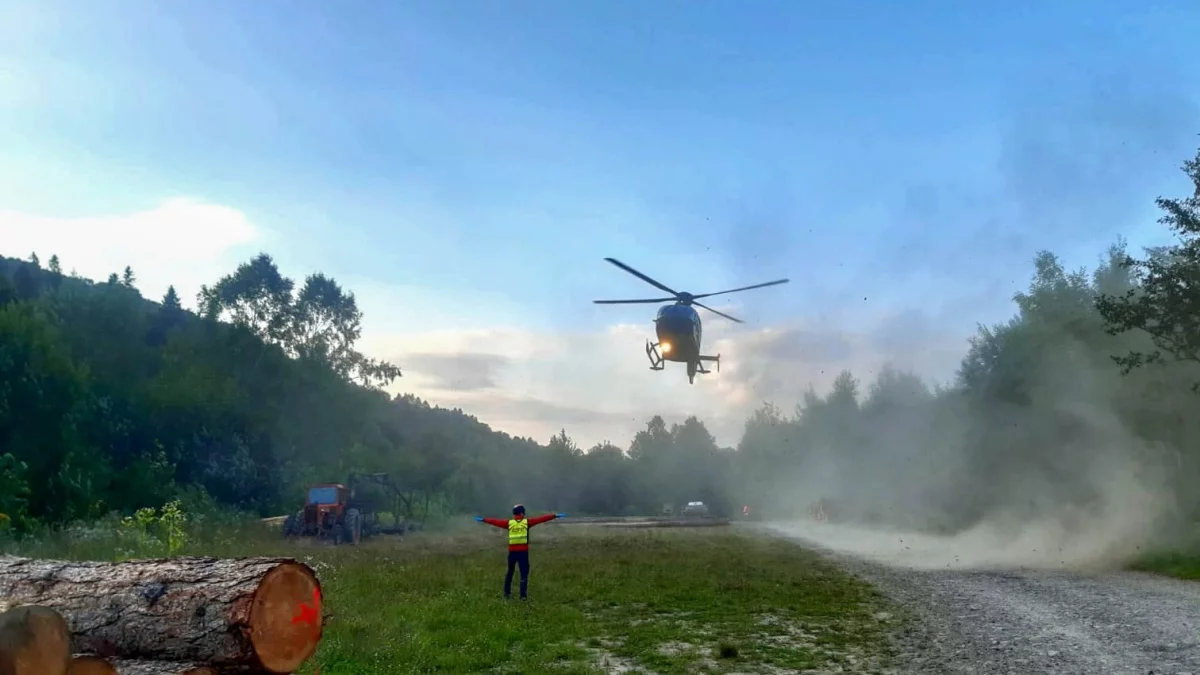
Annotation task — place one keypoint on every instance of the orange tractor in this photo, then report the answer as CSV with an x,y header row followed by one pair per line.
x,y
336,513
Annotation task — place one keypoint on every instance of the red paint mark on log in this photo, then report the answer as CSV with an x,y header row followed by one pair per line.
x,y
308,613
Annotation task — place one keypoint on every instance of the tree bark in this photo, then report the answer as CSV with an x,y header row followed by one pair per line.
x,y
90,664
262,613
34,641
127,667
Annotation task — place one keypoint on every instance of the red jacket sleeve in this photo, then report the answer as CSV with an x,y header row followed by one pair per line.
x,y
497,522
538,520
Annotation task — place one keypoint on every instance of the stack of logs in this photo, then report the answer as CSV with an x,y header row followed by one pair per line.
x,y
180,616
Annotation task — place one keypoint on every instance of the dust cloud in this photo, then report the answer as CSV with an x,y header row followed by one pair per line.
x,y
1040,452
1104,538
962,478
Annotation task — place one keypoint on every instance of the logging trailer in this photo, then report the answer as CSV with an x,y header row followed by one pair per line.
x,y
338,513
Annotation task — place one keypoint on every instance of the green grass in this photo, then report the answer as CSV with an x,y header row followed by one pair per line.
x,y
1178,564
664,601
602,600
1179,558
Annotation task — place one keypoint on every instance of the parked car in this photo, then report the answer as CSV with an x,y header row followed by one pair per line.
x,y
695,509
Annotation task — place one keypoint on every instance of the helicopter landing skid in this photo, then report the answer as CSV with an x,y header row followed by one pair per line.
x,y
700,363
656,360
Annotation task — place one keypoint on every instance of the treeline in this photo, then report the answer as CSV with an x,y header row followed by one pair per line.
x,y
110,402
1082,405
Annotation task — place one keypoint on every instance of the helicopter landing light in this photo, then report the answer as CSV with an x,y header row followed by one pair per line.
x,y
666,347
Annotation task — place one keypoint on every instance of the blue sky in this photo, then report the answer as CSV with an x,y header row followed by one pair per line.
x,y
466,165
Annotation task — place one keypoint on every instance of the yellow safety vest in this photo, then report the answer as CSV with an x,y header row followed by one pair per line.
x,y
518,532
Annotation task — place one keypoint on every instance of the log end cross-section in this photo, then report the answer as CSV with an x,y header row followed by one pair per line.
x,y
285,618
34,641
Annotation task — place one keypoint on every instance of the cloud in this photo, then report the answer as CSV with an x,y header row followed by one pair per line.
x,y
540,419
184,242
457,372
779,364
1074,159
517,377
806,345
598,385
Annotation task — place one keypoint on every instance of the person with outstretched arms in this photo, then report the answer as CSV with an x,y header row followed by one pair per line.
x,y
518,544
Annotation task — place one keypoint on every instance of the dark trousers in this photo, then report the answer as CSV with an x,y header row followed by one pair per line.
x,y
515,559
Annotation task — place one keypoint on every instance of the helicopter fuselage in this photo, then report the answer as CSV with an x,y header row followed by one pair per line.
x,y
678,325
679,331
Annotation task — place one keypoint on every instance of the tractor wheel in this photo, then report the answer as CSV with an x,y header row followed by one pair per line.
x,y
291,526
353,527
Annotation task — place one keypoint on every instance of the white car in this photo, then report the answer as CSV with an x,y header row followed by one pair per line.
x,y
695,509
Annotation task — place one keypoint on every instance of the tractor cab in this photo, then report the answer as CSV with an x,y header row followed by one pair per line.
x,y
348,513
324,507
327,497
329,494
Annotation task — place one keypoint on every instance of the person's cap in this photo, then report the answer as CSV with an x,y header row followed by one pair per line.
x,y
519,508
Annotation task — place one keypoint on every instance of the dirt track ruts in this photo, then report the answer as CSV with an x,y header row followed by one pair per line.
x,y
1027,621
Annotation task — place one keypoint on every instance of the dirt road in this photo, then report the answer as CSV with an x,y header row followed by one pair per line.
x,y
977,617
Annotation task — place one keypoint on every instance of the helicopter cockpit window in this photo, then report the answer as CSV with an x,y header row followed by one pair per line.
x,y
673,312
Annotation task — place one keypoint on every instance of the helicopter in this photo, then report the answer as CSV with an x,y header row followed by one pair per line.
x,y
678,326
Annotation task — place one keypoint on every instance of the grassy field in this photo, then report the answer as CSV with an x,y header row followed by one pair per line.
x,y
1178,564
1180,559
602,600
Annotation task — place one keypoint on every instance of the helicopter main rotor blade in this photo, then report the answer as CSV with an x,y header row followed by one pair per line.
x,y
627,302
731,318
641,276
743,288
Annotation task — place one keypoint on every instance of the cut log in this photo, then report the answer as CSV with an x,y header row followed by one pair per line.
x,y
34,641
136,667
264,613
126,667
86,664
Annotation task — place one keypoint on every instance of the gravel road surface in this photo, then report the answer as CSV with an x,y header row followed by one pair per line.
x,y
1008,617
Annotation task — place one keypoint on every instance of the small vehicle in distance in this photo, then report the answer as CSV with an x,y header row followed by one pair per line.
x,y
339,513
326,515
695,509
